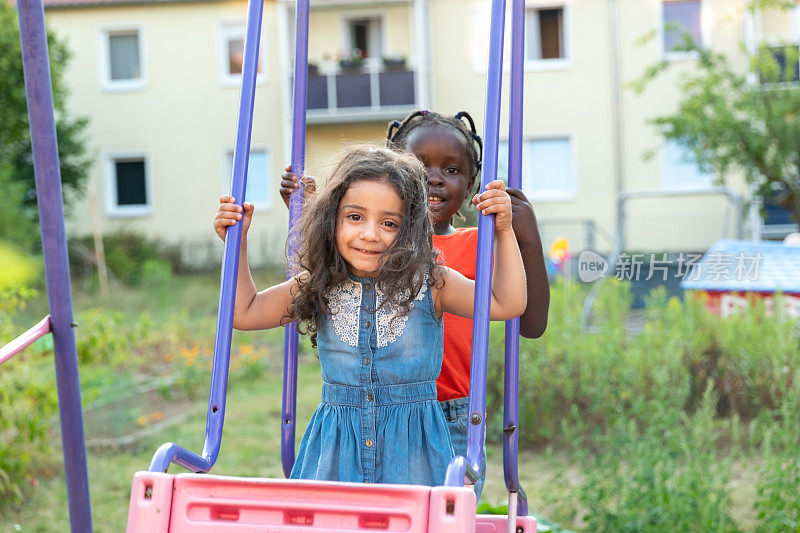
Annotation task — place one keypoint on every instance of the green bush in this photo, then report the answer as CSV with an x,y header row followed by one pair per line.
x,y
101,337
777,497
131,257
12,298
17,220
590,379
664,475
28,400
601,377
654,418
156,273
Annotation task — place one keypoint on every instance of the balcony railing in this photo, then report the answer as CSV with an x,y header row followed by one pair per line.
x,y
361,93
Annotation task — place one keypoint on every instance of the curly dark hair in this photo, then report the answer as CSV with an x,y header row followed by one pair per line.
x,y
399,132
410,254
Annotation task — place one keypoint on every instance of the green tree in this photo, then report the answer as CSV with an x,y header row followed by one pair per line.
x,y
745,121
16,164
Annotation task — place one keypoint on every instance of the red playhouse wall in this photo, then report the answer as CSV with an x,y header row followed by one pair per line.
x,y
725,303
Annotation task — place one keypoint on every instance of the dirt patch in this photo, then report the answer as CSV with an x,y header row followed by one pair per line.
x,y
132,416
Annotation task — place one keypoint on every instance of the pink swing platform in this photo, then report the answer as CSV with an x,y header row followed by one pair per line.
x,y
196,502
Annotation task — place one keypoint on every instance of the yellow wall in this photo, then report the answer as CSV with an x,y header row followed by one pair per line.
x,y
185,118
325,141
673,223
774,22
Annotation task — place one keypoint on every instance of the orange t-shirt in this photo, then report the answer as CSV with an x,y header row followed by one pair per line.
x,y
459,251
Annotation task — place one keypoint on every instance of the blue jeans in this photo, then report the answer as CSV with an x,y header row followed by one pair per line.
x,y
456,412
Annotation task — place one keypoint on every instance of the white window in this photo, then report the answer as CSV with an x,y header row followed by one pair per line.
x,y
679,19
548,168
122,58
127,184
547,42
545,34
679,169
259,178
231,56
364,37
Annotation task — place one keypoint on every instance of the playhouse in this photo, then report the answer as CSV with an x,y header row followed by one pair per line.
x,y
732,273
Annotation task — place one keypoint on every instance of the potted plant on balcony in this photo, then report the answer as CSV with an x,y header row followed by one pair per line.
x,y
351,60
313,69
394,63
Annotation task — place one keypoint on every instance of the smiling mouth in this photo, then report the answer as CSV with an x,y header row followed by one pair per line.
x,y
435,200
368,252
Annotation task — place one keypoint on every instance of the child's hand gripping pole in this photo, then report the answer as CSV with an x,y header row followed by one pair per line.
x,y
171,452
290,341
458,468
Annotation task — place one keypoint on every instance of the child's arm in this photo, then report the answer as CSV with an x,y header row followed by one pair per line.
x,y
252,310
508,295
533,321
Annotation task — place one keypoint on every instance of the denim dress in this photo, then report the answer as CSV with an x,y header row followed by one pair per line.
x,y
379,421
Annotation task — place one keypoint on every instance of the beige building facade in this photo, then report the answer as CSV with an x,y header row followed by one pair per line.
x,y
159,82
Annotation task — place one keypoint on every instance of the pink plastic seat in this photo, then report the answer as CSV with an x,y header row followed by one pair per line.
x,y
197,503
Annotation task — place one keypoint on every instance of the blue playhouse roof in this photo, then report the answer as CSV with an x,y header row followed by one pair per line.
x,y
734,265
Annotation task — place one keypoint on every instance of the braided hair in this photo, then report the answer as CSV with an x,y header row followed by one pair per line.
x,y
398,133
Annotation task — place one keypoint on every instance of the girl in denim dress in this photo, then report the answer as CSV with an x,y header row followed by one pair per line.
x,y
371,295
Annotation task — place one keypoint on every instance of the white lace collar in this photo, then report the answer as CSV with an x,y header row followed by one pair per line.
x,y
345,305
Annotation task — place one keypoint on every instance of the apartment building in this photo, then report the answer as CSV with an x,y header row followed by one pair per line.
x,y
160,81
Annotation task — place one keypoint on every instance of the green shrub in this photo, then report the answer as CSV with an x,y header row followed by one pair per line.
x,y
28,399
17,219
131,257
101,337
12,298
156,272
609,374
655,417
597,377
664,475
777,497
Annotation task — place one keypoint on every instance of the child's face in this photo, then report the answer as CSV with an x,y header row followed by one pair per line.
x,y
370,214
447,163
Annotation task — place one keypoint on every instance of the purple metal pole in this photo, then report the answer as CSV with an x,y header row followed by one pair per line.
x,y
511,383
44,144
215,418
483,287
290,343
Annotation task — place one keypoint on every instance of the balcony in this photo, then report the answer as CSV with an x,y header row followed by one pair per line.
x,y
371,91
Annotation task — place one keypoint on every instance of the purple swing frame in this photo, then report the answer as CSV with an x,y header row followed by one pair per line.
x,y
48,184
